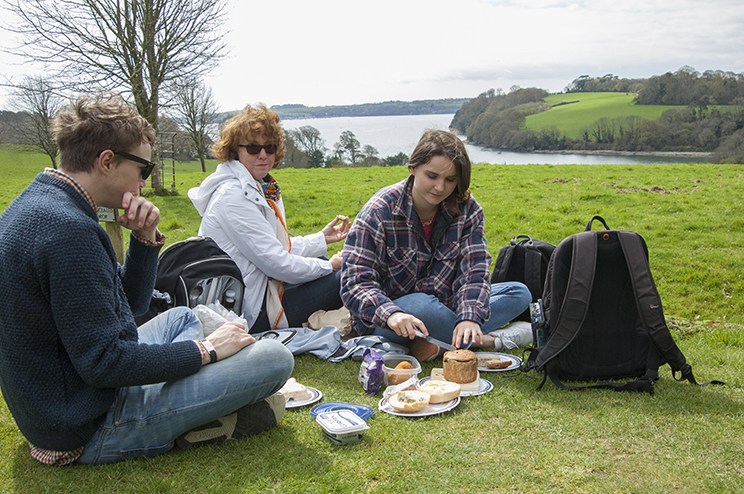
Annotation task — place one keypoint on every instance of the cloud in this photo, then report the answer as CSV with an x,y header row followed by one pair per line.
x,y
327,52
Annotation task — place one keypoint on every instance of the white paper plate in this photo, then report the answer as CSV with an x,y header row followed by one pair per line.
x,y
485,387
315,396
515,362
424,412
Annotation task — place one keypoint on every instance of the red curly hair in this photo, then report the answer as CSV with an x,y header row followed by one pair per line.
x,y
249,123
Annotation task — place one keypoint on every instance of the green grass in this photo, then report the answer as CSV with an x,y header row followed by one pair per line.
x,y
573,117
513,439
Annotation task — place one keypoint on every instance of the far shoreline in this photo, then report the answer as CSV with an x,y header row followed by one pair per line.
x,y
600,152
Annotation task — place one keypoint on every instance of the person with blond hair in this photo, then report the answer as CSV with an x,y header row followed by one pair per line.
x,y
287,278
416,260
82,381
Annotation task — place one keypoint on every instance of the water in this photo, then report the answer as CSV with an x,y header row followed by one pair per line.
x,y
391,135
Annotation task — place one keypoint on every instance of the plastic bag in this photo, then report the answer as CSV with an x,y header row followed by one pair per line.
x,y
214,315
371,373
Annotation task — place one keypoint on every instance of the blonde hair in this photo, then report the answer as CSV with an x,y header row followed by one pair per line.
x,y
251,122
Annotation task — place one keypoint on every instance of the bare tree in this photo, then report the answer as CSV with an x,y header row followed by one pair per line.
x,y
308,138
196,111
135,46
350,144
38,100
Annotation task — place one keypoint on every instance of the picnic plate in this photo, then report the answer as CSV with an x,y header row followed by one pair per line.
x,y
424,412
485,387
515,362
315,395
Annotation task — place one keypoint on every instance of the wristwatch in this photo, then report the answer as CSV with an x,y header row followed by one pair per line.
x,y
210,349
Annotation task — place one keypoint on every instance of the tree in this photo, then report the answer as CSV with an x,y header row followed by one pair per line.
x,y
370,155
350,145
38,100
308,138
135,46
197,113
399,159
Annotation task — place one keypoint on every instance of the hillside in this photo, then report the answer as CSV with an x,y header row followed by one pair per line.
x,y
583,109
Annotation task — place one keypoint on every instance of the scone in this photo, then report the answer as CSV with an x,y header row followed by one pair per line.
x,y
440,391
409,401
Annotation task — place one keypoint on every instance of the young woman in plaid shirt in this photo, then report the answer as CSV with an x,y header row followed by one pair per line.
x,y
416,259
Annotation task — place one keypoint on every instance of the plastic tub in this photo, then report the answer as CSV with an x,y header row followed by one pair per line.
x,y
342,426
395,376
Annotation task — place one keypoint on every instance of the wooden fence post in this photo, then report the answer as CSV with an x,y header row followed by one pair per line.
x,y
113,229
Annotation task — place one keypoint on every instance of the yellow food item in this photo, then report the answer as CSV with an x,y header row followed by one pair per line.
x,y
404,365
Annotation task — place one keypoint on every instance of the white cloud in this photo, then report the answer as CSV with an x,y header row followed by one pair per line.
x,y
326,52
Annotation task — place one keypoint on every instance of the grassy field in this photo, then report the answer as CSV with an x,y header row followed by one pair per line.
x,y
513,439
589,108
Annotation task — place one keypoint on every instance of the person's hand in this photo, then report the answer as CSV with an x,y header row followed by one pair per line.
x,y
467,332
337,229
229,339
336,261
140,216
405,324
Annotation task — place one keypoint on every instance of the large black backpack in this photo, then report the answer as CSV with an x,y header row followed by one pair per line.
x,y
602,316
192,272
525,260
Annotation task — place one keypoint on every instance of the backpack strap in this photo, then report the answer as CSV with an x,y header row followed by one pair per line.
x,y
598,218
576,301
502,263
650,310
532,270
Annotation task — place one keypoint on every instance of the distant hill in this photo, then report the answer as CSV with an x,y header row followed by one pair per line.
x,y
572,112
419,107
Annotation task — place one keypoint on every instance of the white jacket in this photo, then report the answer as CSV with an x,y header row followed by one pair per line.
x,y
237,217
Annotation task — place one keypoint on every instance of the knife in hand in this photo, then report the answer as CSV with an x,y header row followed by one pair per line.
x,y
437,342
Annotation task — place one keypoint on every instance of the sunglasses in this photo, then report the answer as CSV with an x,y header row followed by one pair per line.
x,y
149,165
256,148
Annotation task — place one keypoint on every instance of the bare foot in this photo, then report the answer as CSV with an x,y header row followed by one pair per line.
x,y
488,342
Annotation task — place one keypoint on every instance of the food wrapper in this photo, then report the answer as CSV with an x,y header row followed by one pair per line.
x,y
371,374
411,383
214,315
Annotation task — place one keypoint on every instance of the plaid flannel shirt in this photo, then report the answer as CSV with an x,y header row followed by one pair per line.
x,y
386,256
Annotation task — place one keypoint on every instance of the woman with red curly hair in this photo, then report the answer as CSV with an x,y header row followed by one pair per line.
x,y
286,279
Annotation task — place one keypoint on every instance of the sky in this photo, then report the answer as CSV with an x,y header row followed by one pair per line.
x,y
339,52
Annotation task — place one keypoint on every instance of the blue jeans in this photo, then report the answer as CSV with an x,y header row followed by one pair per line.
x,y
146,420
302,299
508,300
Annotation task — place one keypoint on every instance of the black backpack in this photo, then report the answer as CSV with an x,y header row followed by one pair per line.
x,y
192,272
525,260
602,317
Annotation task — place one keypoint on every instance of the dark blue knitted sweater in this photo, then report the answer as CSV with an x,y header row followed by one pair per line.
x,y
68,339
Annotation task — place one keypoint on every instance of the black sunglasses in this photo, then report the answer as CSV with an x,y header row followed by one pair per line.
x,y
256,148
149,165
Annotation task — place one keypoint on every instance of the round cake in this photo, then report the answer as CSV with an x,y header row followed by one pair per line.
x,y
460,366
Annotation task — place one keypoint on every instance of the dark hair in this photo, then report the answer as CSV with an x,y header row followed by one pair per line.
x,y
442,143
250,122
94,124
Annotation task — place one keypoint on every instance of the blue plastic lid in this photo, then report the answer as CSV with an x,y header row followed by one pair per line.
x,y
362,411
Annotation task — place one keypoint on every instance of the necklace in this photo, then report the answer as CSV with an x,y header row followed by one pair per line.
x,y
429,221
